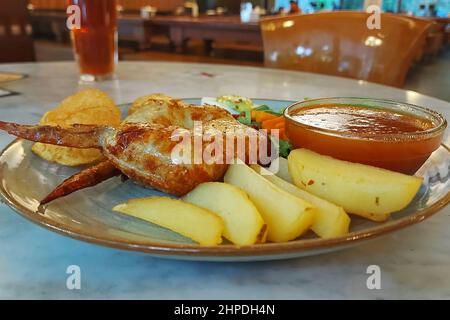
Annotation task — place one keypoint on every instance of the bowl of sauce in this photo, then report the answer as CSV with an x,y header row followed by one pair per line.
x,y
382,133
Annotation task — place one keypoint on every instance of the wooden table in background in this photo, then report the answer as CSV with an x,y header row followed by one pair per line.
x,y
50,24
130,27
208,29
178,29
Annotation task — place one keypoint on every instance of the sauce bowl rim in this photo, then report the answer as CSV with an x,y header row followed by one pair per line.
x,y
432,132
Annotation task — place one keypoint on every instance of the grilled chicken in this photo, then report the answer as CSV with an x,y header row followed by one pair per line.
x,y
144,146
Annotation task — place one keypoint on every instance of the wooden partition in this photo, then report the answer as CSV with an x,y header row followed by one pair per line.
x,y
49,4
162,5
15,32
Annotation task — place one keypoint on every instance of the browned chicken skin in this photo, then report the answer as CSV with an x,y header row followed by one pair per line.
x,y
84,179
141,148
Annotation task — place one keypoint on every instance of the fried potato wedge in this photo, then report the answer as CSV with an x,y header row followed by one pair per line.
x,y
287,216
280,167
330,220
243,223
367,191
196,223
90,106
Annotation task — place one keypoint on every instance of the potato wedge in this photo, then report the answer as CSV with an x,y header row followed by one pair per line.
x,y
370,192
196,223
330,220
287,216
243,223
280,167
89,106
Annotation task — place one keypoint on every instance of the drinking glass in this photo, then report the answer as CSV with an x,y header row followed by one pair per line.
x,y
95,42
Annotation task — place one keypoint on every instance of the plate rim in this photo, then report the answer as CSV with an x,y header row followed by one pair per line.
x,y
228,250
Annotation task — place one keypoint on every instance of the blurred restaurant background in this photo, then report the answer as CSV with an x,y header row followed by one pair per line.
x,y
410,51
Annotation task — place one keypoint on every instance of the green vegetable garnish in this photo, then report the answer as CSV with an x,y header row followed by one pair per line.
x,y
241,104
267,109
238,103
245,106
284,147
263,107
245,119
275,113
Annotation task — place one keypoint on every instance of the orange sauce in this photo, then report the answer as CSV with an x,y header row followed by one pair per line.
x,y
363,135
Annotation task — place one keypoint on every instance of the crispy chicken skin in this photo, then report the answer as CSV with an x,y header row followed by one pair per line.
x,y
142,148
84,179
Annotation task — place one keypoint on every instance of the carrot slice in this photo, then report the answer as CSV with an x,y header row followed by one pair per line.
x,y
272,123
279,125
264,116
256,115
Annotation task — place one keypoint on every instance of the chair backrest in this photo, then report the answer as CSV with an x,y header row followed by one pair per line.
x,y
422,45
16,40
340,43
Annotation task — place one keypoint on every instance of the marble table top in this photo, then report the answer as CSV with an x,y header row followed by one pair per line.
x,y
414,262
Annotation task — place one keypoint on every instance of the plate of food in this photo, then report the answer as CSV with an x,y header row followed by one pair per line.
x,y
227,178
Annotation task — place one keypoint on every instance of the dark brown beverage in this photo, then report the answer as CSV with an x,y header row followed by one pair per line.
x,y
95,43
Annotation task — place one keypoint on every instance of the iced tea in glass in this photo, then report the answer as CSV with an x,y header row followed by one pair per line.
x,y
95,42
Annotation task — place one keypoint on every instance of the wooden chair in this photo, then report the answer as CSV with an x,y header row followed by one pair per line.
x,y
423,43
341,44
435,39
442,33
16,41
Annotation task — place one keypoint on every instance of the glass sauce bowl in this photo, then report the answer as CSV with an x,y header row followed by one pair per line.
x,y
403,152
